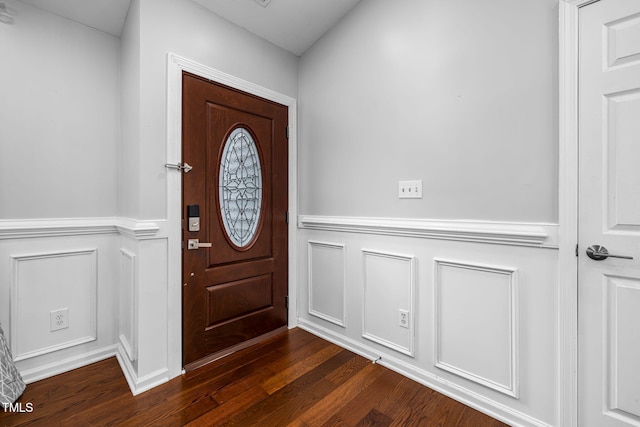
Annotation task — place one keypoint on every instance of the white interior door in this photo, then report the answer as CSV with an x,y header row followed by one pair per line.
x,y
609,146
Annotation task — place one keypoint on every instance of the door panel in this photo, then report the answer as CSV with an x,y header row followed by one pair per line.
x,y
622,124
609,139
623,303
236,289
222,121
233,300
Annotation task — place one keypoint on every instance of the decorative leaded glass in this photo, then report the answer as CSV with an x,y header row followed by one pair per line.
x,y
240,187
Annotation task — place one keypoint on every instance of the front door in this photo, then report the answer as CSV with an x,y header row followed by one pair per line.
x,y
234,263
609,221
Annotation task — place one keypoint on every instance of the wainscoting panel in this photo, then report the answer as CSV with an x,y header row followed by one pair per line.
x,y
151,292
47,282
623,301
476,309
327,281
128,313
481,298
81,265
389,289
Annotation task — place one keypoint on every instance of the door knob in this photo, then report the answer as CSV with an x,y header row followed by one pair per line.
x,y
197,244
600,253
180,167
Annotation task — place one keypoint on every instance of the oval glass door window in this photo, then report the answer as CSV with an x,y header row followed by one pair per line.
x,y
240,187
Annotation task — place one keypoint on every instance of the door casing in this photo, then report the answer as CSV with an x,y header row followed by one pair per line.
x,y
568,212
175,66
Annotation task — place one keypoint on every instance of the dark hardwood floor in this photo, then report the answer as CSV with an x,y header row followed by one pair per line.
x,y
293,379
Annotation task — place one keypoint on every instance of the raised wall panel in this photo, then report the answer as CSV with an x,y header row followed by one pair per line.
x,y
623,152
389,286
128,312
623,41
327,281
45,282
623,347
476,331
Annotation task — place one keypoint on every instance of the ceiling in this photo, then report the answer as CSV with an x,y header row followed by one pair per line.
x,y
103,15
294,25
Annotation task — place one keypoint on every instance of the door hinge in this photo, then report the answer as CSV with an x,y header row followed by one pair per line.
x,y
576,249
287,132
286,302
287,217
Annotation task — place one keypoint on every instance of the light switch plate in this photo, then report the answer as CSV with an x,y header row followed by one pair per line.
x,y
410,189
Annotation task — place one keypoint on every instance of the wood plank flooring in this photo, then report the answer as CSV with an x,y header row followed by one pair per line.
x,y
293,379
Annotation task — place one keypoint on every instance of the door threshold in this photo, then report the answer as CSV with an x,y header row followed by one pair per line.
x,y
230,350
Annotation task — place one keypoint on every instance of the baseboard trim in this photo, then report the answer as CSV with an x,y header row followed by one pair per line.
x,y
49,370
428,379
142,384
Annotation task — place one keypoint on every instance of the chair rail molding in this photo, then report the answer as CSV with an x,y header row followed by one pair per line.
x,y
62,227
56,227
541,235
140,229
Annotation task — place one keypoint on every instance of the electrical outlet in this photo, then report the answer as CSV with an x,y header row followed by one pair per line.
x,y
403,320
59,319
410,189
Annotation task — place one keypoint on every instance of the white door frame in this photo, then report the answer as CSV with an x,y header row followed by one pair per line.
x,y
568,218
175,66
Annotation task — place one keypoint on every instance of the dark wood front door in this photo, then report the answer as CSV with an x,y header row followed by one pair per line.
x,y
234,291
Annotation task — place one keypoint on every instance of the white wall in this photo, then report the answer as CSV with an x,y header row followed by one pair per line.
x,y
59,118
470,84
129,190
459,94
462,95
188,30
59,172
